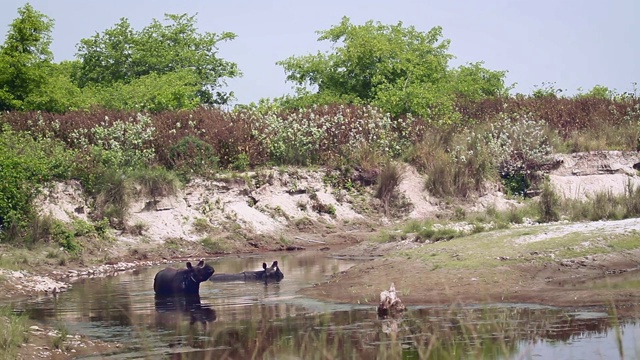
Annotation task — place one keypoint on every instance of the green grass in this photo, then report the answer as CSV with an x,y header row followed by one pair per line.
x,y
214,245
13,333
202,226
490,249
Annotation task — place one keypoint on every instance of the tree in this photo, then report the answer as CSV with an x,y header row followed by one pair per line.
x,y
25,58
58,93
397,68
599,92
122,55
171,91
474,82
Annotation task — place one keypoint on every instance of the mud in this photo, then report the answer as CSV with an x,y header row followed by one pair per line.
x,y
550,284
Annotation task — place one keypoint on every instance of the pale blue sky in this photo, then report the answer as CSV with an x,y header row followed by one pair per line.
x,y
572,43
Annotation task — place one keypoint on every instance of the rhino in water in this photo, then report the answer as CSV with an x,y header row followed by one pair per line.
x,y
267,274
187,281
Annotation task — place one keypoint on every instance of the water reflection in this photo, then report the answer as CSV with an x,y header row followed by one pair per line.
x,y
172,310
241,320
497,333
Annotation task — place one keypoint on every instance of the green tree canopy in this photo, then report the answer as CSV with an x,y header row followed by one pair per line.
x,y
154,92
397,68
25,58
122,55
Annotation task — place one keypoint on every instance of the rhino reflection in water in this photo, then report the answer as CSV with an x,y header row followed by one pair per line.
x,y
267,274
173,309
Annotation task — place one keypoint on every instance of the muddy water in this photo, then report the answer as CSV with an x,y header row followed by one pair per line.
x,y
240,320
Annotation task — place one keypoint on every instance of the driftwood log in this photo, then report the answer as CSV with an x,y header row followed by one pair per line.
x,y
390,304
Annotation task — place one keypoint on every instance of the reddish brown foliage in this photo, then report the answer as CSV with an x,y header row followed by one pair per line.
x,y
228,133
231,134
567,115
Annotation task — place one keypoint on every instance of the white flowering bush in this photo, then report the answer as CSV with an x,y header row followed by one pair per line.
x,y
311,135
124,145
520,144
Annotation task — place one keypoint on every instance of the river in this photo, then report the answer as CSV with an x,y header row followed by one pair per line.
x,y
239,320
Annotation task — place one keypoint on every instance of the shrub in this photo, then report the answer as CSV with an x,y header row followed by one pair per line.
x,y
214,245
65,236
549,204
40,229
202,226
428,233
111,198
387,189
322,208
516,184
631,201
192,155
138,228
14,332
566,116
241,162
457,162
521,146
605,205
155,182
26,164
317,134
118,144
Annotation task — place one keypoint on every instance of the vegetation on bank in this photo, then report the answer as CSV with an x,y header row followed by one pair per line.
x,y
133,110
13,332
549,207
107,150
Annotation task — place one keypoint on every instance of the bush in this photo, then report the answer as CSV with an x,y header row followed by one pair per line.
x,y
321,134
14,332
549,204
25,165
214,245
631,201
457,162
241,162
520,144
111,198
387,190
193,156
65,236
155,182
124,145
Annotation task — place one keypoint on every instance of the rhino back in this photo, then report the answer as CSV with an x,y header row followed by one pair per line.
x,y
227,277
167,281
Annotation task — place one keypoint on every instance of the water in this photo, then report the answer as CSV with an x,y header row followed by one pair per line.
x,y
241,320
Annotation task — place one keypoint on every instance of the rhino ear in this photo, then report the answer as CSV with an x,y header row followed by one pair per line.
x,y
264,266
275,264
189,265
201,263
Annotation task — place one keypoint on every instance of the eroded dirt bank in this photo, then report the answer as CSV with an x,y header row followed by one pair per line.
x,y
590,264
